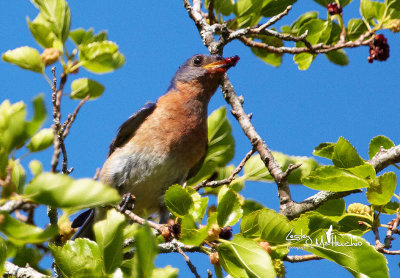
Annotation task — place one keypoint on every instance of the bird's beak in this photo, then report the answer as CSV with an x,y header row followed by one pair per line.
x,y
222,65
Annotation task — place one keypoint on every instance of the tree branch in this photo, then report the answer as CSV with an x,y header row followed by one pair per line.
x,y
228,180
301,258
188,262
21,272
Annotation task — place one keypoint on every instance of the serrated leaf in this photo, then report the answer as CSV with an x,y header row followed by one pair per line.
x,y
83,87
273,59
249,206
377,142
3,255
308,223
350,223
63,192
338,57
25,255
390,208
77,258
345,155
166,272
331,178
242,257
25,57
229,210
221,145
303,60
178,200
255,168
355,28
365,171
190,234
295,27
101,57
333,208
225,7
41,31
267,225
58,16
20,232
81,37
372,10
199,206
18,175
360,259
324,150
109,237
381,191
145,252
274,7
41,140
36,167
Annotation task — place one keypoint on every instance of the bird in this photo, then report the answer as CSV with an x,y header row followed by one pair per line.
x,y
164,142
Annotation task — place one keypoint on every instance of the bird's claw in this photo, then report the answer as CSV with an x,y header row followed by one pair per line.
x,y
127,203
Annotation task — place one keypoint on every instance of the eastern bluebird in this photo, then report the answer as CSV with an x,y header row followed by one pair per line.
x,y
164,143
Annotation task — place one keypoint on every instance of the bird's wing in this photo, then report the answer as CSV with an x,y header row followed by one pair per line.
x,y
128,128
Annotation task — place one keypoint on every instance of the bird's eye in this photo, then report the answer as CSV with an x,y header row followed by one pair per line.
x,y
197,61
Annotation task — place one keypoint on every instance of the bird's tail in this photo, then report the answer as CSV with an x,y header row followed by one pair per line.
x,y
84,222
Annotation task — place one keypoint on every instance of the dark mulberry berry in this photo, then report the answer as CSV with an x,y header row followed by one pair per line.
x,y
334,8
378,49
225,233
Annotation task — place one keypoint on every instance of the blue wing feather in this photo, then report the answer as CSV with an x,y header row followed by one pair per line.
x,y
128,128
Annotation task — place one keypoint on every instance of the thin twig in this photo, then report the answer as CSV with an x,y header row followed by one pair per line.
x,y
301,258
188,262
7,179
72,117
142,221
228,180
210,8
275,18
389,233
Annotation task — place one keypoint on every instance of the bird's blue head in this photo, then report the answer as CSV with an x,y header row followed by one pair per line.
x,y
205,69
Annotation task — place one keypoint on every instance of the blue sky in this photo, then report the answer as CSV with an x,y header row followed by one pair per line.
x,y
292,110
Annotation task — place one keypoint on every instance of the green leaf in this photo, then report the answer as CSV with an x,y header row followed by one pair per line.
x,y
20,232
372,10
350,223
25,255
63,192
338,57
229,210
267,225
39,115
344,3
36,167
333,208
3,255
355,28
221,145
366,171
81,37
308,223
395,4
78,258
389,208
303,60
381,191
360,259
41,31
274,7
249,206
255,169
199,206
273,226
109,237
345,155
18,175
242,257
145,252
190,234
25,57
41,140
331,178
273,59
178,200
225,7
101,57
83,87
325,3
324,150
377,142
166,272
295,27
58,16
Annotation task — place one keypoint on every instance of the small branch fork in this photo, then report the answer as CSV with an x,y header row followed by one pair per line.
x,y
21,272
213,184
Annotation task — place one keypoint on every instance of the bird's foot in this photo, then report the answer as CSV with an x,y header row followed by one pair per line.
x,y
127,203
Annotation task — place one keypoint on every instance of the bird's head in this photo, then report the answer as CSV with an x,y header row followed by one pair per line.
x,y
203,71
